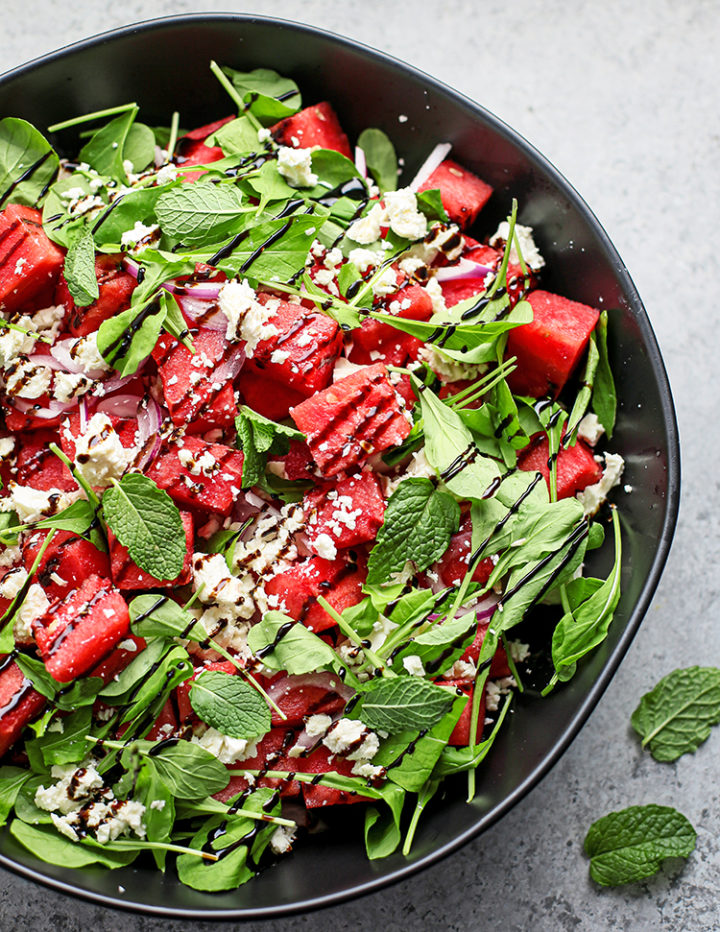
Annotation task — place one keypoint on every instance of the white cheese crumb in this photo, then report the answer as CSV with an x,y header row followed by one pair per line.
x,y
281,839
100,456
227,750
414,665
324,547
26,378
530,252
317,725
592,497
295,165
248,320
590,429
403,214
366,230
140,235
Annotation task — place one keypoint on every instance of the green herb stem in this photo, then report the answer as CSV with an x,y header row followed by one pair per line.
x,y
87,117
355,637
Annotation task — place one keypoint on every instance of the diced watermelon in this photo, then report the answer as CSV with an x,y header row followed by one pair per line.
x,y
119,658
463,194
453,565
66,563
115,286
374,336
350,511
165,724
300,699
299,463
270,754
126,429
352,419
198,388
265,395
182,692
201,133
339,581
499,666
193,151
314,126
460,736
19,702
576,466
126,574
77,633
322,761
37,465
172,470
303,352
29,262
550,346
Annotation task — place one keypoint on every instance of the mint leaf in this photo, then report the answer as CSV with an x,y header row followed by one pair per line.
x,y
198,212
604,398
417,526
629,845
380,157
258,436
128,338
404,703
79,270
227,703
284,644
146,520
675,717
22,147
451,451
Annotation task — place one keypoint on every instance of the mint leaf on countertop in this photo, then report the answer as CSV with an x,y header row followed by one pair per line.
x,y
404,703
629,845
230,705
418,523
79,270
675,717
146,520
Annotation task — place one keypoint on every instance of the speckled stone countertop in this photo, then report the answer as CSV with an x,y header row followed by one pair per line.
x,y
622,97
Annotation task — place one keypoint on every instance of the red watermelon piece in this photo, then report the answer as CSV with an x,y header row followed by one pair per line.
x,y
264,395
37,465
460,736
115,286
271,754
499,666
463,194
550,346
576,466
216,491
352,419
165,724
66,563
453,565
19,702
349,511
339,581
317,796
314,126
29,262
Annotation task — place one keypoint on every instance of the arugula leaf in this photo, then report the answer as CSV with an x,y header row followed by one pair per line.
x,y
675,717
380,157
146,520
630,845
188,770
258,437
46,843
11,781
404,703
24,153
79,270
296,650
139,146
430,203
418,523
127,209
235,138
382,827
128,338
451,451
441,645
604,399
159,804
228,704
196,213
154,615
36,671
104,150
69,745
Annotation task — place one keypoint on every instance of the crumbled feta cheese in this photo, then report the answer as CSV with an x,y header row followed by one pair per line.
x,y
447,369
411,265
519,651
86,354
317,725
33,504
324,547
364,259
73,784
49,320
157,804
324,277
385,283
295,165
495,690
348,734
204,465
218,585
166,174
366,230
281,839
227,750
14,343
100,456
435,293
271,547
140,235
26,378
403,215
590,429
7,445
9,556
414,665
34,606
263,134
530,252
248,320
69,385
592,497
12,582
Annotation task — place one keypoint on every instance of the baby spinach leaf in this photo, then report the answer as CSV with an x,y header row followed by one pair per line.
x,y
604,400
417,526
104,150
404,703
11,780
230,705
82,693
146,520
630,845
382,826
27,162
430,203
70,744
154,615
79,270
135,205
128,338
139,146
441,645
200,212
269,95
188,770
676,716
159,804
235,138
380,157
269,183
36,671
77,518
284,644
46,843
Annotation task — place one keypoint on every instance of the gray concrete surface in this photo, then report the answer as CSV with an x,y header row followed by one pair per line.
x,y
623,98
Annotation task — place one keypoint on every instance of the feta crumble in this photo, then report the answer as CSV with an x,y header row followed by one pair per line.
x,y
248,320
592,497
100,456
530,252
403,215
295,166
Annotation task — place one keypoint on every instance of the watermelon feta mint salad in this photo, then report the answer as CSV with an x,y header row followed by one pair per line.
x,y
287,455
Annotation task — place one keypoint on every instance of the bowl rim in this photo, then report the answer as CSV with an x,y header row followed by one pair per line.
x,y
672,500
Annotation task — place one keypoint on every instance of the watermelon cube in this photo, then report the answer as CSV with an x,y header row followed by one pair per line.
x,y
314,126
550,346
78,632
200,475
317,796
299,699
298,463
126,574
349,511
271,754
115,286
463,194
116,661
352,419
576,466
19,702
198,388
339,581
460,736
29,262
165,724
66,563
499,666
394,346
454,563
264,395
37,465
302,354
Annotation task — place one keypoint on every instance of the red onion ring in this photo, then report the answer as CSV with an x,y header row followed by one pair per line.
x,y
200,308
52,409
465,268
436,157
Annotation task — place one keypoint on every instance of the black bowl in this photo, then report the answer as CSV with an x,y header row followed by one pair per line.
x,y
163,65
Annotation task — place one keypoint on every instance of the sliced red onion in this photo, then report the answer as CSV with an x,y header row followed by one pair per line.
x,y
203,291
52,409
131,266
361,161
304,741
436,157
120,381
465,268
120,405
40,359
83,414
203,310
61,352
227,371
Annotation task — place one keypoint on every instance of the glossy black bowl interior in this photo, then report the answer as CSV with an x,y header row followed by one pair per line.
x,y
163,66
